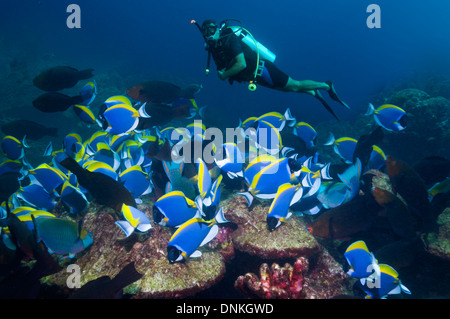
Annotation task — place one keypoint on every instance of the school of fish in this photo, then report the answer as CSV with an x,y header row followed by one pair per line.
x,y
135,153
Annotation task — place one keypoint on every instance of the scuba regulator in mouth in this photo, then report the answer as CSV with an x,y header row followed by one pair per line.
x,y
262,53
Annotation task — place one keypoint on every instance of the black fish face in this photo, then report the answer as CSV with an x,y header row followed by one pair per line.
x,y
209,211
173,254
272,223
157,215
403,120
294,165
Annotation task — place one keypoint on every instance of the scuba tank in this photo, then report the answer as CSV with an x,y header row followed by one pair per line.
x,y
249,40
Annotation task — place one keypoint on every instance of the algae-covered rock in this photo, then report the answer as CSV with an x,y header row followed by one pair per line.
x,y
291,239
110,252
439,243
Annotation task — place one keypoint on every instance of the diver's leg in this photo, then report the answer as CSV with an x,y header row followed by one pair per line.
x,y
310,87
305,86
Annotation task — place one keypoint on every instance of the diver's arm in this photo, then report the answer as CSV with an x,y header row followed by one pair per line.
x,y
239,65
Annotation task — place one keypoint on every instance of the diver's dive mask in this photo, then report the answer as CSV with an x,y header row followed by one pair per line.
x,y
210,30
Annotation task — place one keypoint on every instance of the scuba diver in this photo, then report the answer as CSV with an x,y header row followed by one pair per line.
x,y
239,57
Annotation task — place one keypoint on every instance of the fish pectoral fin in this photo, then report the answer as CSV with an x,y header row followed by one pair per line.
x,y
196,254
212,233
144,227
404,289
125,227
248,197
265,196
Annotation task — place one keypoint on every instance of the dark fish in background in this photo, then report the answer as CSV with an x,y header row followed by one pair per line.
x,y
160,114
346,220
25,240
22,236
336,169
107,288
298,144
103,188
433,169
365,143
408,183
160,92
9,184
56,102
397,213
24,283
159,152
33,130
60,77
401,253
159,178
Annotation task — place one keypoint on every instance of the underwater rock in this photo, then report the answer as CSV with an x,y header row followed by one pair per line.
x,y
223,243
427,132
319,277
428,125
110,252
439,243
292,239
408,98
438,86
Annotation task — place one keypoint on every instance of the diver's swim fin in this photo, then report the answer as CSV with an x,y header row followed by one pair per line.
x,y
322,100
333,94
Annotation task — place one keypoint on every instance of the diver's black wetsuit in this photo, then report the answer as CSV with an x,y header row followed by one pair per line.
x,y
229,46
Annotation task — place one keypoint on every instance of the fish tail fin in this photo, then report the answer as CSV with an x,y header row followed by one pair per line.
x,y
168,187
220,217
325,172
142,112
125,277
173,166
331,140
125,227
370,110
24,142
89,93
201,111
85,74
191,90
404,288
290,119
49,149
